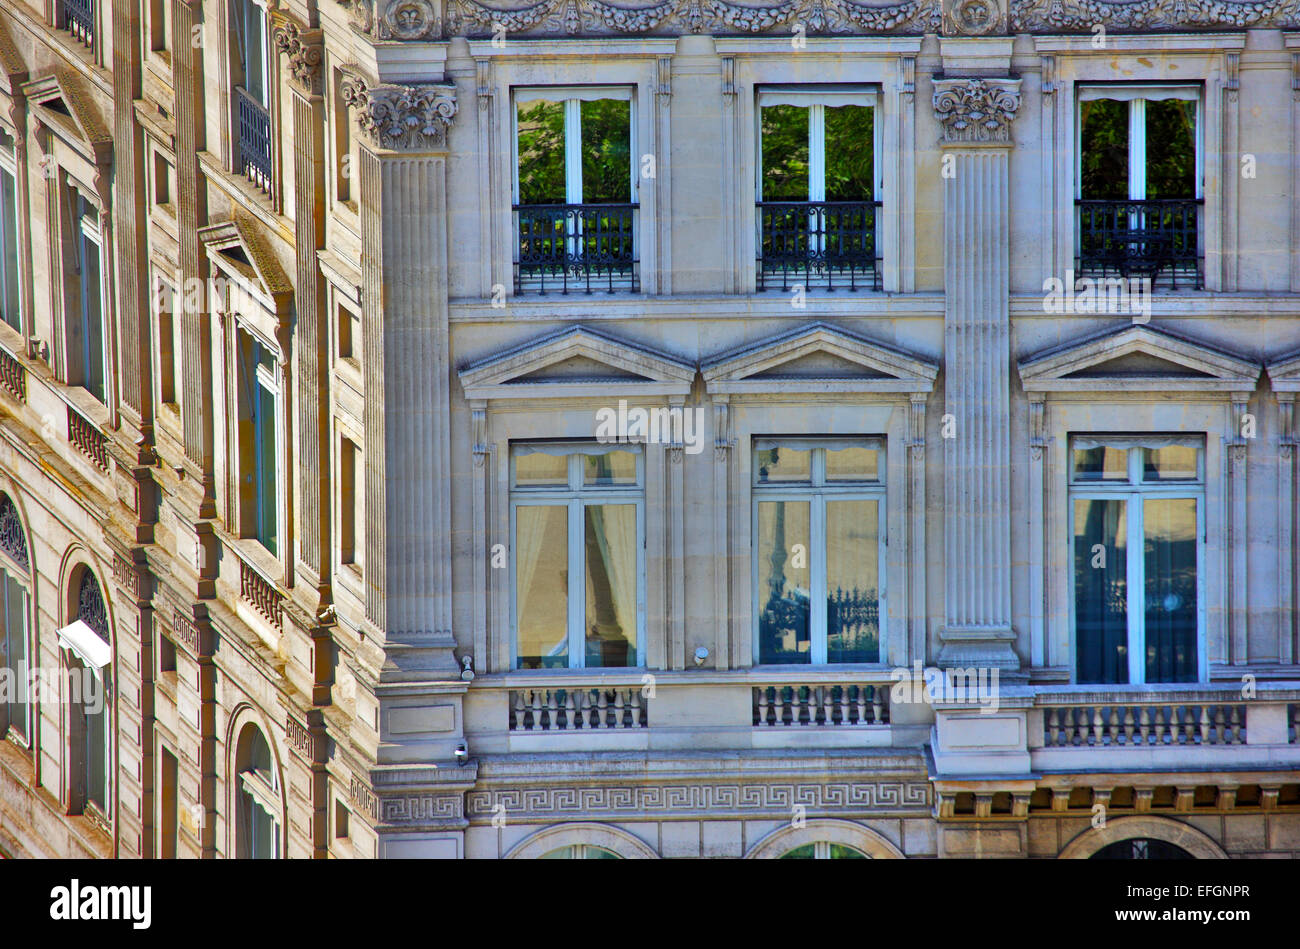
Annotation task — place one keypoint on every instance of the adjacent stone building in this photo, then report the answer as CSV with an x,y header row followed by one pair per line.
x,y
681,429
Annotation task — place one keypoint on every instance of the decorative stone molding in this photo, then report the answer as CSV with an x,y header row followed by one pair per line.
x,y
974,17
421,808
1069,15
364,798
718,17
305,49
846,833
298,737
186,631
395,19
701,799
613,839
402,118
1198,844
976,110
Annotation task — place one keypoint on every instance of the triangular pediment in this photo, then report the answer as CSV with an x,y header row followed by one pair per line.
x,y
1284,373
237,251
1137,358
578,362
58,102
818,358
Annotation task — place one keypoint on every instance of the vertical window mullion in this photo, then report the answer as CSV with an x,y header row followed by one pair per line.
x,y
1137,149
573,150
817,153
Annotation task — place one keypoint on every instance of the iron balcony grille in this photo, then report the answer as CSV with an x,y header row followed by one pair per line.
x,y
577,247
824,244
79,19
1159,239
254,139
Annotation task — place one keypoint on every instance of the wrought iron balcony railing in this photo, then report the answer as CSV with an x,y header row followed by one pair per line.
x,y
1157,239
79,19
254,121
824,244
576,247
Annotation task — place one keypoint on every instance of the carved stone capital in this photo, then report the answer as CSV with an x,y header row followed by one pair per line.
x,y
976,110
305,49
401,118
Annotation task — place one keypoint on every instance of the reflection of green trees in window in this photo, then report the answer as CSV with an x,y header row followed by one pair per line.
x,y
541,153
1170,149
849,152
604,141
823,851
785,153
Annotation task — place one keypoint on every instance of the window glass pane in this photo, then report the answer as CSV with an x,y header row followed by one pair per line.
x,y
1101,589
1171,149
542,585
96,773
611,540
1170,552
9,250
1101,464
841,852
854,463
850,150
94,325
784,584
541,152
539,469
254,81
266,473
613,468
1103,140
598,853
776,465
15,645
1171,463
785,152
852,579
606,151
264,833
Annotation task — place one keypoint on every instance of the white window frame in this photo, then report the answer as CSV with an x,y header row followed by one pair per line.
x,y
1137,140
816,492
816,100
1133,492
576,497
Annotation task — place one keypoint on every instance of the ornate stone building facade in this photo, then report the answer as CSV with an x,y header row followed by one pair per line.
x,y
956,345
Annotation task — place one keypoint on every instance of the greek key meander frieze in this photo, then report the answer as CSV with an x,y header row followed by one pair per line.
x,y
698,798
403,118
423,807
419,19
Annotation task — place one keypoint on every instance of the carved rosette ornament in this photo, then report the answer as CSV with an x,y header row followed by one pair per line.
x,y
401,118
974,18
976,110
305,49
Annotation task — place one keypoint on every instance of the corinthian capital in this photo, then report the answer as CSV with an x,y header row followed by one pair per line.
x,y
976,110
403,118
305,49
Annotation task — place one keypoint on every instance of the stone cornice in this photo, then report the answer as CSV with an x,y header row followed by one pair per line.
x,y
976,111
305,49
401,118
420,20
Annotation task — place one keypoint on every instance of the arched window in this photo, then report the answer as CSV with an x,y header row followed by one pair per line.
x,y
257,798
92,736
822,850
15,572
1142,848
580,852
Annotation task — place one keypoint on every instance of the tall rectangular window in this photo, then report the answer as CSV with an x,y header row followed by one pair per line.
x,y
165,301
575,189
1140,182
819,549
159,25
13,646
89,321
10,309
351,496
170,816
1137,510
577,515
95,732
818,187
260,391
252,92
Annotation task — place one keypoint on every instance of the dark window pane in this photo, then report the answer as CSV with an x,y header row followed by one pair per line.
x,y
785,152
1171,149
9,250
606,151
784,582
1101,464
541,153
850,146
1101,590
1104,145
1170,542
